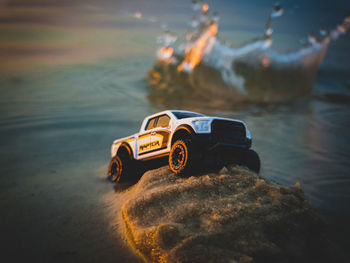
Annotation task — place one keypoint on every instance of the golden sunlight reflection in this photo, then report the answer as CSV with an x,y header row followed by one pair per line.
x,y
138,15
205,8
165,53
201,39
265,62
195,52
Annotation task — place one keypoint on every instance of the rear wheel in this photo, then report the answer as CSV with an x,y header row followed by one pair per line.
x,y
180,157
120,168
252,161
249,159
115,169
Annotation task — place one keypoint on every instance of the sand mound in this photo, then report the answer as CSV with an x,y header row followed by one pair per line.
x,y
233,216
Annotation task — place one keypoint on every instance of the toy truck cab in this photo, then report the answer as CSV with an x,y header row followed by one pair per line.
x,y
153,138
186,138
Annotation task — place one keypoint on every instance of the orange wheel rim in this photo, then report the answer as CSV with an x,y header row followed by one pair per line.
x,y
178,157
115,170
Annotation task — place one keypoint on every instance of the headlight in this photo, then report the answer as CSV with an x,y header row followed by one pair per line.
x,y
201,125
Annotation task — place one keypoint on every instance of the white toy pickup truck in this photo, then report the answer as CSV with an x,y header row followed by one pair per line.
x,y
187,139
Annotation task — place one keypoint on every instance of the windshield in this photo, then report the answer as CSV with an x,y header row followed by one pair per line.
x,y
183,115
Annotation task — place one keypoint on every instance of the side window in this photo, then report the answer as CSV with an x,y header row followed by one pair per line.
x,y
163,121
151,124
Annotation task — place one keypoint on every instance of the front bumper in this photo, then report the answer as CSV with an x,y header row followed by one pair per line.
x,y
209,143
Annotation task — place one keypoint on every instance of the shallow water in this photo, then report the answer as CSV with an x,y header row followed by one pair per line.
x,y
57,123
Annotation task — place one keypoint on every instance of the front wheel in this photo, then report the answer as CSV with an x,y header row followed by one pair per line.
x,y
179,157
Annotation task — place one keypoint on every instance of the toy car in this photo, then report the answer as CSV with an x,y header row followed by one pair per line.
x,y
187,139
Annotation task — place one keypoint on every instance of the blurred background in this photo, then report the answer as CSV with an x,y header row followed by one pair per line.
x,y
64,32
72,79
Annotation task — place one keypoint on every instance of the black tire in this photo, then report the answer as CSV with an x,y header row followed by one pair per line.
x,y
120,169
180,157
251,160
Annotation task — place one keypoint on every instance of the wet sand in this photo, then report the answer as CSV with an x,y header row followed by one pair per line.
x,y
66,218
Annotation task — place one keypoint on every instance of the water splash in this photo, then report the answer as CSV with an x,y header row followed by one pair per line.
x,y
201,38
252,72
276,12
165,52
